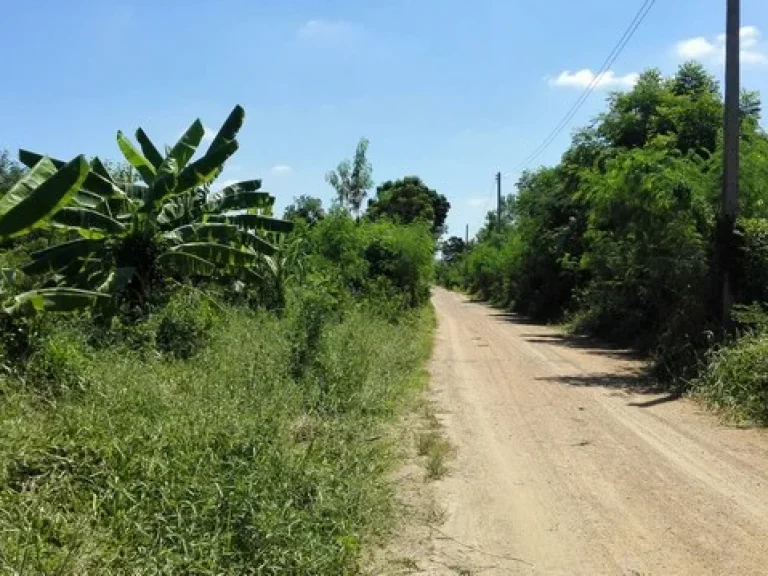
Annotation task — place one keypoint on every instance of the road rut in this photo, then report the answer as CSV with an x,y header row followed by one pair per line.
x,y
566,464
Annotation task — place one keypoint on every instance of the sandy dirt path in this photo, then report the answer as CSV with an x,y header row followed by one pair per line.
x,y
565,464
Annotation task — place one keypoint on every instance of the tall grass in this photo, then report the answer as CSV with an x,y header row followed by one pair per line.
x,y
223,463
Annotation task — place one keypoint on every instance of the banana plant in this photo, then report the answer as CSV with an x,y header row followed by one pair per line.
x,y
31,204
170,223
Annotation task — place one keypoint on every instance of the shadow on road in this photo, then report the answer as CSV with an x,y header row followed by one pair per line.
x,y
640,383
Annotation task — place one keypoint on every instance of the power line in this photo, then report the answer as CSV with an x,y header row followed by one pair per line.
x,y
614,54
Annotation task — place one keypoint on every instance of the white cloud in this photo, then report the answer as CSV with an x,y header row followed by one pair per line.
x,y
209,134
326,30
712,50
475,202
281,169
585,77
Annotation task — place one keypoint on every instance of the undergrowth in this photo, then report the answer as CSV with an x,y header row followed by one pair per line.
x,y
231,461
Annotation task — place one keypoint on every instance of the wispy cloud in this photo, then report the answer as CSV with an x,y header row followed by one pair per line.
x,y
209,134
585,77
475,202
712,50
281,169
327,30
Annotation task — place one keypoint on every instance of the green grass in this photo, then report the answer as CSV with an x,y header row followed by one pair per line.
x,y
219,464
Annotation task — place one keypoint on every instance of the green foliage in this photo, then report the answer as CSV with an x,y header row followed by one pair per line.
x,y
408,201
305,209
184,324
218,464
618,236
136,235
736,379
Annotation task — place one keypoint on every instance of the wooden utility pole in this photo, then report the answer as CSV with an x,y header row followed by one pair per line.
x,y
732,126
498,201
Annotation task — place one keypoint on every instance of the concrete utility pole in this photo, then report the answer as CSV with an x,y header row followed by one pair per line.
x,y
731,143
498,201
466,234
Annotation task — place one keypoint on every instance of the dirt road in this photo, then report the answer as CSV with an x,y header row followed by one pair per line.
x,y
565,466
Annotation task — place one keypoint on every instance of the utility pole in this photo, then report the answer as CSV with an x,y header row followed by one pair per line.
x,y
498,201
466,235
731,143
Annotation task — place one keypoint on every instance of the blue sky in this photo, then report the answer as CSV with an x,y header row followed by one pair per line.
x,y
448,90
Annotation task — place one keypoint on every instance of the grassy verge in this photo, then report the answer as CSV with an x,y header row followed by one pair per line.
x,y
224,463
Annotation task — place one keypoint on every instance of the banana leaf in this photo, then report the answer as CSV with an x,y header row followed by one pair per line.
x,y
220,234
205,169
135,158
60,256
253,222
148,149
240,201
88,223
94,182
38,195
186,147
54,300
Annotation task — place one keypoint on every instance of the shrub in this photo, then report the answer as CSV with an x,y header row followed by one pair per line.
x,y
184,324
56,366
736,379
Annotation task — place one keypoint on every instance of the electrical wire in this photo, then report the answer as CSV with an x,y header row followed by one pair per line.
x,y
640,16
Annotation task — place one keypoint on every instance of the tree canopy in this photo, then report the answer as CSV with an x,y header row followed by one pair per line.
x,y
409,200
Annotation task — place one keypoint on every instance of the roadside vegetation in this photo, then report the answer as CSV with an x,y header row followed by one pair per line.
x,y
618,239
191,385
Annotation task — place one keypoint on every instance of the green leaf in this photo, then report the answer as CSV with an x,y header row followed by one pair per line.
x,y
30,202
188,263
205,169
88,199
148,148
254,222
187,145
61,255
86,222
144,167
54,300
219,254
228,131
240,201
95,182
238,187
222,234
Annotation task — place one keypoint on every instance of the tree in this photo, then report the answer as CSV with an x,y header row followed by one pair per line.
x,y
409,200
10,172
452,249
305,208
352,180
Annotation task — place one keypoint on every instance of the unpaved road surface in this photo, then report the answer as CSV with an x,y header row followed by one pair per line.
x,y
564,465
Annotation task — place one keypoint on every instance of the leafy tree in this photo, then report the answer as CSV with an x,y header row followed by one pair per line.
x,y
305,208
352,180
409,200
452,249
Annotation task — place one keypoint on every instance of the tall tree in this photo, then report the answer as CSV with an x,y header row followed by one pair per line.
x,y
352,179
410,200
306,208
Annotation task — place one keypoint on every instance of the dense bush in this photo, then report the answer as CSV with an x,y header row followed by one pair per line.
x,y
618,237
184,323
736,379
